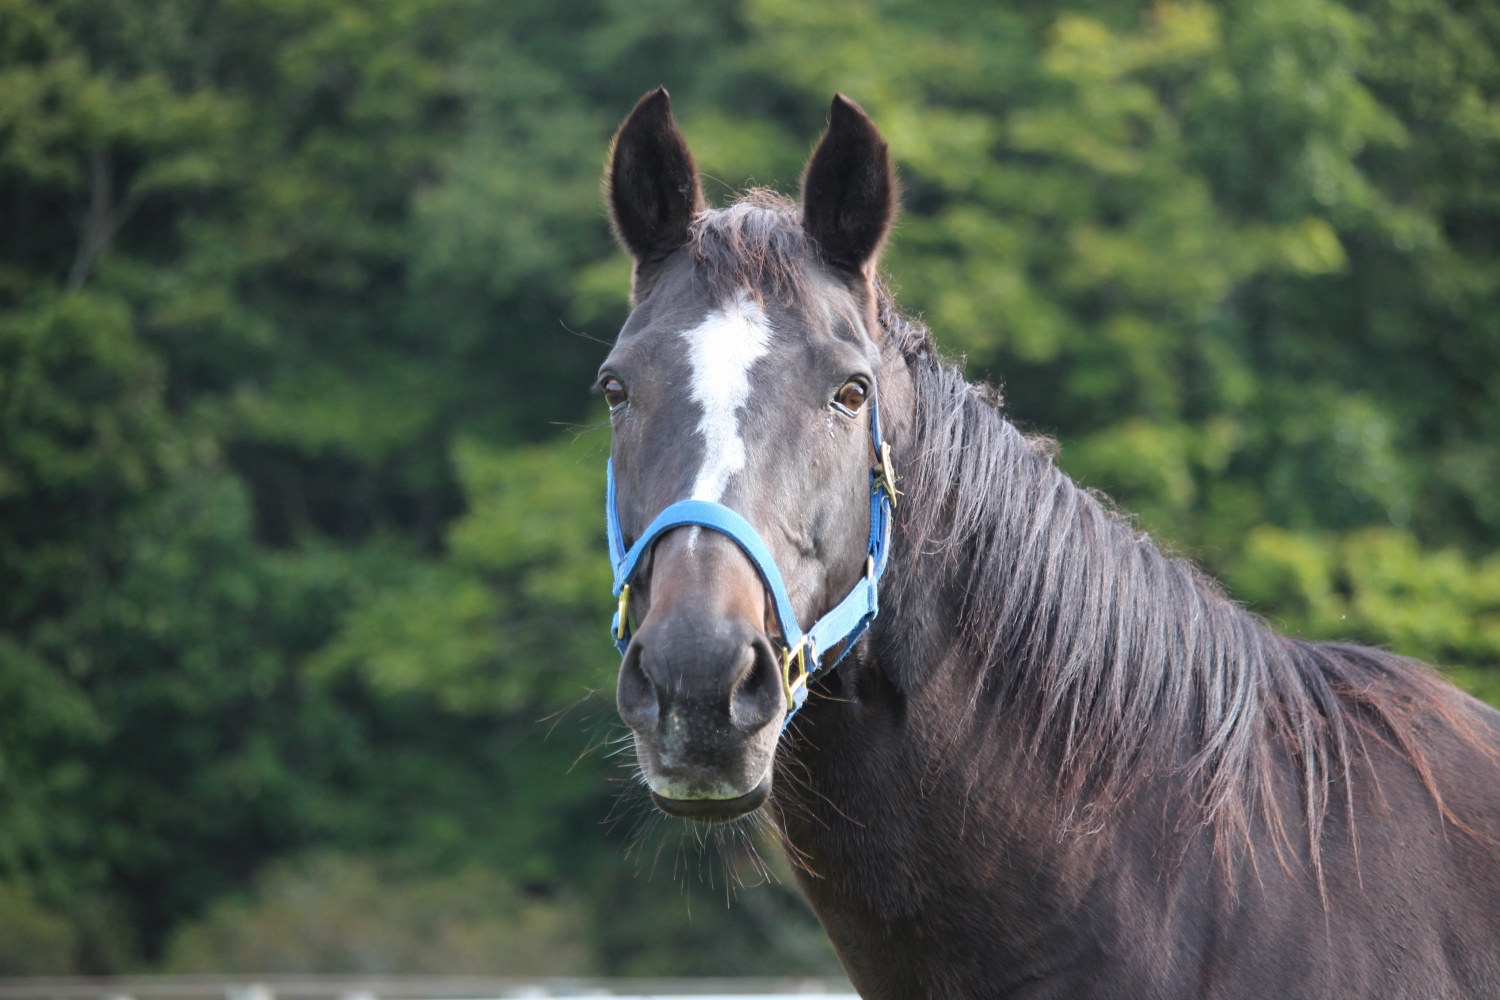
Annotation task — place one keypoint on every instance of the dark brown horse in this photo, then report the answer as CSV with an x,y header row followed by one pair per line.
x,y
1060,763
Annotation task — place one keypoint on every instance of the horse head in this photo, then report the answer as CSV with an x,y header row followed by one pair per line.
x,y
745,382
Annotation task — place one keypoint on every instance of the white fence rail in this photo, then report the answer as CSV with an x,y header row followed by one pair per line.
x,y
413,988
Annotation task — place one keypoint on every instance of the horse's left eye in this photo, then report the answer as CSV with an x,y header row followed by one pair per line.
x,y
614,391
852,396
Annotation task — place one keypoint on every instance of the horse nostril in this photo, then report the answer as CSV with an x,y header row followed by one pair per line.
x,y
635,695
756,697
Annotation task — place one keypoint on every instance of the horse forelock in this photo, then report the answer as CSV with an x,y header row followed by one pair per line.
x,y
755,246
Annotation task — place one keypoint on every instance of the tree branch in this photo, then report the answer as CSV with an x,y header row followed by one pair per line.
x,y
102,220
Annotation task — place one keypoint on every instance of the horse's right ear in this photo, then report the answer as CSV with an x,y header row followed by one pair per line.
x,y
652,182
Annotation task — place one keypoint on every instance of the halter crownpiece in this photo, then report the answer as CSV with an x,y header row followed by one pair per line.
x,y
801,651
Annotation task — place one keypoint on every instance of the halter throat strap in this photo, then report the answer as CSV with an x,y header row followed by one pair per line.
x,y
802,651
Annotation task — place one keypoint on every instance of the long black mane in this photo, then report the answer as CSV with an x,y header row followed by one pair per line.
x,y
1121,661
1124,662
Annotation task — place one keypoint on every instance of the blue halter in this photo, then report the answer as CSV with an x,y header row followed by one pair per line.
x,y
802,651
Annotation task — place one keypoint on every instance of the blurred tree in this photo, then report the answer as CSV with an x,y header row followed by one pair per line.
x,y
279,284
32,940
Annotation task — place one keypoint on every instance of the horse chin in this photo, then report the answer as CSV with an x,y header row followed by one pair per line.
x,y
715,810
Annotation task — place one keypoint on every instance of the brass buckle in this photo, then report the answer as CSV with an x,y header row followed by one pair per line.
x,y
794,655
885,474
622,624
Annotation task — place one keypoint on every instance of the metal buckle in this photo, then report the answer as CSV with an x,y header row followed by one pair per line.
x,y
794,655
885,474
623,625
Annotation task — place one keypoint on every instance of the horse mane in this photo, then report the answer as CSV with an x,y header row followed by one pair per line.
x,y
1121,662
1124,662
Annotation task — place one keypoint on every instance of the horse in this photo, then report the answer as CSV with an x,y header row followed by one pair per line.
x,y
1040,757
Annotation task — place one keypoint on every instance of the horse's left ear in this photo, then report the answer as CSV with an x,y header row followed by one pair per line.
x,y
848,189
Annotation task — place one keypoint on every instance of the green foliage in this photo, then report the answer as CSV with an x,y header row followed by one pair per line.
x,y
334,914
293,297
32,940
483,630
1376,586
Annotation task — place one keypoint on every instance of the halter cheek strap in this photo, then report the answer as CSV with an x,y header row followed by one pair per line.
x,y
802,651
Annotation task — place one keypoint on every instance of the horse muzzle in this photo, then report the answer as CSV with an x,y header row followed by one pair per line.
x,y
702,694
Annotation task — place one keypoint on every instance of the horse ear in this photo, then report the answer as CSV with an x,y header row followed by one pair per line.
x,y
848,189
652,182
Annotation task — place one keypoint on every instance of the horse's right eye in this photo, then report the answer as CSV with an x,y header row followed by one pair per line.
x,y
614,391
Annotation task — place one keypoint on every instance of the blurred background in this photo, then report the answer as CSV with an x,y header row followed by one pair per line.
x,y
302,573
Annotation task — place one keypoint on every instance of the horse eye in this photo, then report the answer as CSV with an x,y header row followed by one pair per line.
x,y
614,391
852,396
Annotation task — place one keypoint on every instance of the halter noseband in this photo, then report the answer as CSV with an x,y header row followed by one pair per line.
x,y
801,650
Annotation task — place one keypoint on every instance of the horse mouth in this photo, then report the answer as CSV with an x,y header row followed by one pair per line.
x,y
715,810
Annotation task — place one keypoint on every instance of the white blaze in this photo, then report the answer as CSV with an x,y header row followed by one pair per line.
x,y
721,350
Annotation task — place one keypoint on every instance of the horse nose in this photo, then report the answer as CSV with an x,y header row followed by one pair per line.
x,y
718,677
